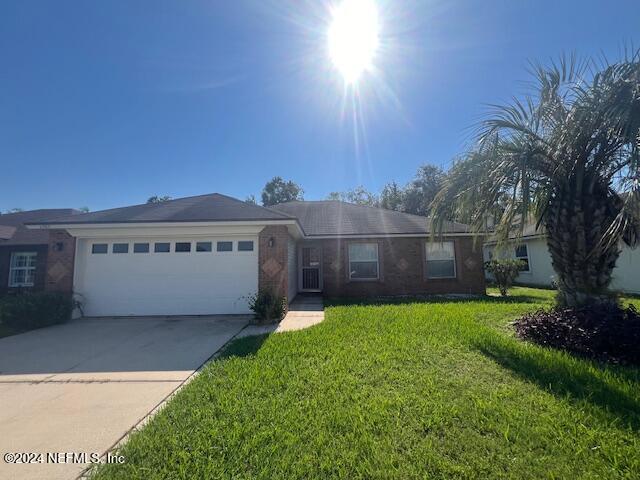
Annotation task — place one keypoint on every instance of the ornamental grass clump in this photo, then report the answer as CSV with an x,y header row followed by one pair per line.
x,y
267,306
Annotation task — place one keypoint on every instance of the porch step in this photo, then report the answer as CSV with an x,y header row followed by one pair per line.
x,y
304,311
307,303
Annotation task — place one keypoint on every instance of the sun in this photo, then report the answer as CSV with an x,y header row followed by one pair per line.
x,y
353,37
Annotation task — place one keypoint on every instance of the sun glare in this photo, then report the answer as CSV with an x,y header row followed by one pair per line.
x,y
353,37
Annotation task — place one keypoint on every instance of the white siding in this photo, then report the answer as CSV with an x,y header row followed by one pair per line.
x,y
174,283
292,263
540,270
626,275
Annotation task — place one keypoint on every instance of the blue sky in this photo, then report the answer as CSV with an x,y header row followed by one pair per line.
x,y
104,104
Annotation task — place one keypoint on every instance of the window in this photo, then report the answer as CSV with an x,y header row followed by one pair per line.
x,y
22,269
183,246
224,246
203,247
120,248
522,253
140,248
99,248
363,261
441,260
162,247
245,246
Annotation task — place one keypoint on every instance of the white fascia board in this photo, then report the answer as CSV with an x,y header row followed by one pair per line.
x,y
165,229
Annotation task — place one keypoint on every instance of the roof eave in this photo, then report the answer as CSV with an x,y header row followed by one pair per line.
x,y
387,235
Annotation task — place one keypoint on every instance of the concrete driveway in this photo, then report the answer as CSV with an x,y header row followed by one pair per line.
x,y
81,386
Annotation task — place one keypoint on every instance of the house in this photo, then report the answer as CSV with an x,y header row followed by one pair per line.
x,y
206,254
24,253
531,248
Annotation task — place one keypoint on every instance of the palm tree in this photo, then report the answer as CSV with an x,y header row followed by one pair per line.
x,y
567,156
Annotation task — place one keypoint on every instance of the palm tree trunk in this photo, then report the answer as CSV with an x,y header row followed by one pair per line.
x,y
576,221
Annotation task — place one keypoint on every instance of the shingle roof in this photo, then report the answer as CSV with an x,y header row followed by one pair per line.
x,y
212,207
13,231
332,218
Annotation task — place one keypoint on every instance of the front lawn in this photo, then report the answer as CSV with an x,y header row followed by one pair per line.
x,y
436,389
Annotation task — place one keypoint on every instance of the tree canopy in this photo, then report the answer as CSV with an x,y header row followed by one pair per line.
x,y
358,195
278,190
566,156
157,199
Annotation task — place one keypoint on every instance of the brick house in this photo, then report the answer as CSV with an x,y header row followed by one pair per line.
x,y
29,258
207,254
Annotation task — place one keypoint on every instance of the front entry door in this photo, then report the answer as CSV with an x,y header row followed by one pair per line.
x,y
310,265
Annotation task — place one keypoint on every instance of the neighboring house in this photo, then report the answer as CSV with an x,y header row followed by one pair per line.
x,y
531,248
207,254
24,252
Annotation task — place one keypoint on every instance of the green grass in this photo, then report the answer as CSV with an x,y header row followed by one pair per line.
x,y
437,389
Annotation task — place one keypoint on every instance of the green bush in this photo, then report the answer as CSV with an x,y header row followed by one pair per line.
x,y
504,272
267,306
27,311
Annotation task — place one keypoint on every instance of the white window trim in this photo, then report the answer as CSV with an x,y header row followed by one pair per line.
x,y
426,261
12,284
369,279
528,270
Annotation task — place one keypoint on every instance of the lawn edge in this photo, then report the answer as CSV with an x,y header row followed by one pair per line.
x,y
140,424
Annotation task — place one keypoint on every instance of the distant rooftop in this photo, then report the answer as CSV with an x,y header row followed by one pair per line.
x,y
13,231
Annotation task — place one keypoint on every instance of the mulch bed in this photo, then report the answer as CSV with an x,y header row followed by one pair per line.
x,y
605,333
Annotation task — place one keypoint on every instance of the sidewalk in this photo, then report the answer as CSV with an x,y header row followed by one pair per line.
x,y
305,311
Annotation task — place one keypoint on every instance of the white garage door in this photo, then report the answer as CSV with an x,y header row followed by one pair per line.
x,y
119,277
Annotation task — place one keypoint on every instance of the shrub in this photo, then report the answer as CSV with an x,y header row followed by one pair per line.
x,y
504,272
267,306
27,311
603,332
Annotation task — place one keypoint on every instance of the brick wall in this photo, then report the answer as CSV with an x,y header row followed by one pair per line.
x,y
5,261
60,262
272,260
402,269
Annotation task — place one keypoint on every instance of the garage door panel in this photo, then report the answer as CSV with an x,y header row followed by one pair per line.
x,y
173,283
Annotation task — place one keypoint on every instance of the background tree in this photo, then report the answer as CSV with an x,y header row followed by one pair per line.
x,y
392,197
251,199
358,195
567,156
420,192
84,209
278,190
157,199
14,210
